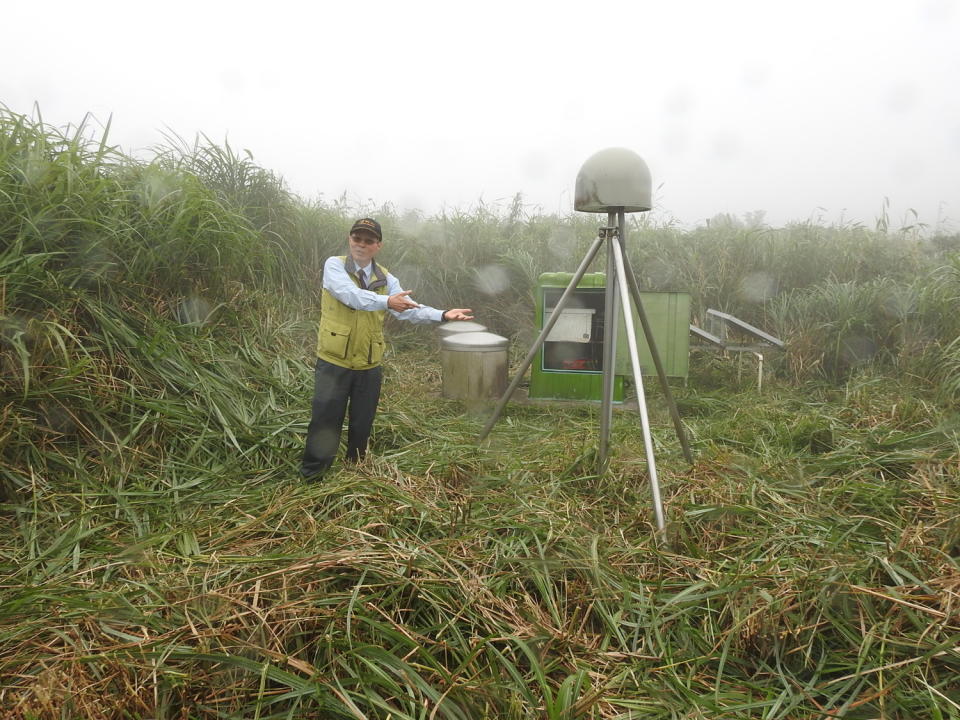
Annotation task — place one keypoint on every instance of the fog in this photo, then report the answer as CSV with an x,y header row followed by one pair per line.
x,y
832,111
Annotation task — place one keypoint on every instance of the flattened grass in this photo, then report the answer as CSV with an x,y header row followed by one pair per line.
x,y
447,580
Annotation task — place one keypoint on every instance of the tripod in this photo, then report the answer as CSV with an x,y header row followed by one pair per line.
x,y
625,284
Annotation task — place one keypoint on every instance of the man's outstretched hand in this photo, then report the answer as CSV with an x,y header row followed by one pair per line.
x,y
458,314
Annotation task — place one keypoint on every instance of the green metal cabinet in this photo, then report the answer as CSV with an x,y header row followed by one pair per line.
x,y
569,364
669,316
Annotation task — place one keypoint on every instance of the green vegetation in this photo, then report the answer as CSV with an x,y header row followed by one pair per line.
x,y
159,557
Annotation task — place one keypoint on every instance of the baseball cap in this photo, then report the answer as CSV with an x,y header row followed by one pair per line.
x,y
368,224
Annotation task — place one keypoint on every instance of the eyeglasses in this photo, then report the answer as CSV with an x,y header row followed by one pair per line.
x,y
364,239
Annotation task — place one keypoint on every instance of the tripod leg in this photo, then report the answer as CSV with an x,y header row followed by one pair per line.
x,y
644,420
561,303
661,373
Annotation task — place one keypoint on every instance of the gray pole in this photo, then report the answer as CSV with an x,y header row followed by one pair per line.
x,y
609,350
561,303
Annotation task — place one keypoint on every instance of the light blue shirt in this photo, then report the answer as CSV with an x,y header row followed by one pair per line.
x,y
338,283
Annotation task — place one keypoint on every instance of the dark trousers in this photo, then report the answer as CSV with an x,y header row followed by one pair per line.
x,y
334,389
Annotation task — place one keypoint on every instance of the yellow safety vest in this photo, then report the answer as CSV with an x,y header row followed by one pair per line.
x,y
352,338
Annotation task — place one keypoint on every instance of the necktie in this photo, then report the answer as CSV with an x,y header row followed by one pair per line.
x,y
360,278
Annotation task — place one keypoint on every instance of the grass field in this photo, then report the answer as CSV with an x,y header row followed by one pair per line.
x,y
160,558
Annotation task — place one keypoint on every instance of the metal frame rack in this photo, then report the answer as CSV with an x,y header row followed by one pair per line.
x,y
721,324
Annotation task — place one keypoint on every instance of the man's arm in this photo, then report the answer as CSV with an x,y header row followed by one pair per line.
x,y
339,284
421,313
416,313
399,298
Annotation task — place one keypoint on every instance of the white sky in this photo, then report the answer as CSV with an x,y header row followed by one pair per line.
x,y
819,108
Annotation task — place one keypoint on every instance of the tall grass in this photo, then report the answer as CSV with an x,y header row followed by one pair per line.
x,y
159,556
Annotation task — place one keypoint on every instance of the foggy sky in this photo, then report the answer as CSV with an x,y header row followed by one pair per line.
x,y
810,109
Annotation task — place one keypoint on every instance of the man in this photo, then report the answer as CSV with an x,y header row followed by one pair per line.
x,y
357,293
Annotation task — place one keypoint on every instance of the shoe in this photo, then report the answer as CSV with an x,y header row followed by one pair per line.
x,y
315,477
315,473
